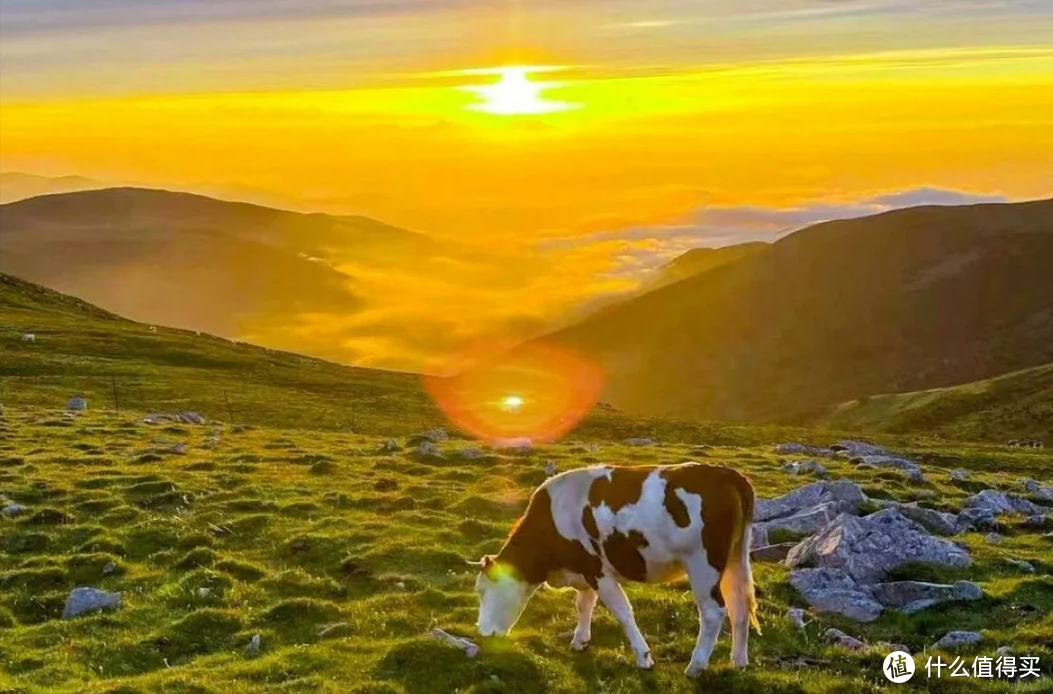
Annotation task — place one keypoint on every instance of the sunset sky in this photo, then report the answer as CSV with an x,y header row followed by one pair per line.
x,y
635,129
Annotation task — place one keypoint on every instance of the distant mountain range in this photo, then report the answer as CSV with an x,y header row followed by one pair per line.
x,y
193,261
907,300
15,185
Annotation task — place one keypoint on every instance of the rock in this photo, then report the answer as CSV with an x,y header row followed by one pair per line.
x,y
550,468
912,469
759,537
800,449
471,454
913,596
1003,651
109,568
834,591
85,600
796,617
427,449
771,553
1039,491
808,497
956,639
388,447
77,404
840,638
1000,503
993,538
639,441
13,510
976,519
1040,522
858,448
1024,566
931,520
191,418
886,647
253,649
204,593
868,548
959,475
806,467
432,436
808,521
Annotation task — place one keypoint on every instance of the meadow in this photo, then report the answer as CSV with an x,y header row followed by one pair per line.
x,y
341,558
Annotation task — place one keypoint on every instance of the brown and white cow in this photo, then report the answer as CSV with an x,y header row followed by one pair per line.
x,y
592,528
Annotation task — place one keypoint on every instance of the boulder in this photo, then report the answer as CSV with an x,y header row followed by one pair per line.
x,y
858,448
772,553
835,592
959,475
85,600
957,639
801,449
808,497
909,467
976,519
253,649
840,638
805,467
427,449
1025,566
191,418
932,520
808,521
1001,502
913,596
868,548
1039,491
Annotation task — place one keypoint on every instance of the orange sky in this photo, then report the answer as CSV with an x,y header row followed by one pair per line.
x,y
675,124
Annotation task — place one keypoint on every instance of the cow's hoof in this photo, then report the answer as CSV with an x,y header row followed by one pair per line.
x,y
694,670
579,644
645,662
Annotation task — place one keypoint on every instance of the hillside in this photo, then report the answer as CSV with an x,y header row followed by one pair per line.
x,y
192,261
906,300
80,349
1014,406
699,260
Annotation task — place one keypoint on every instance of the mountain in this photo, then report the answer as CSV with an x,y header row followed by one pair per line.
x,y
1018,405
193,261
15,185
80,349
699,260
907,300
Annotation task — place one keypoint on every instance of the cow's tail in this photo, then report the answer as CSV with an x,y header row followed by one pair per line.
x,y
736,583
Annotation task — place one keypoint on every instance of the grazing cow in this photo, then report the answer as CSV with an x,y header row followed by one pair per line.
x,y
590,529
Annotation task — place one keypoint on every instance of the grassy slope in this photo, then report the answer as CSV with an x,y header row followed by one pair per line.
x,y
1017,405
294,530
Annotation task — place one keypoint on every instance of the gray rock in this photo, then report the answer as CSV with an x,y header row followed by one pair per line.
x,y
639,441
1040,522
771,553
909,467
86,600
801,449
1003,651
858,448
808,521
808,497
191,418
931,520
427,449
840,638
471,454
388,447
1039,491
868,548
431,436
796,617
833,591
77,404
759,537
253,649
13,509
805,467
956,639
993,538
976,519
109,568
913,596
959,475
1000,502
1025,566
886,647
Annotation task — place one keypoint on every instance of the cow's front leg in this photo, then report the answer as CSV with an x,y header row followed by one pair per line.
x,y
586,602
614,598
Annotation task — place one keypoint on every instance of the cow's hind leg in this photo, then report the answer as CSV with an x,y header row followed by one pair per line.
x,y
711,612
586,602
614,598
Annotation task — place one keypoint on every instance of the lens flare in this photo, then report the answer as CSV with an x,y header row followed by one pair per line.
x,y
534,392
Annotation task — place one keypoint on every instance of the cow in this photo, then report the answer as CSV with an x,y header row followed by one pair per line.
x,y
593,528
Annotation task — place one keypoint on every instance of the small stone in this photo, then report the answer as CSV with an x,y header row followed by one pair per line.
x,y
253,649
956,639
85,600
992,538
77,404
389,446
550,468
1003,651
204,593
959,475
796,616
109,568
639,441
840,638
427,449
886,647
13,509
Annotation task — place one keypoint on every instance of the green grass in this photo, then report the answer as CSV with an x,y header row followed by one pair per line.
x,y
375,545
1016,405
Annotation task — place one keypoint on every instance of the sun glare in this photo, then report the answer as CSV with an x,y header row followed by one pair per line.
x,y
515,94
512,403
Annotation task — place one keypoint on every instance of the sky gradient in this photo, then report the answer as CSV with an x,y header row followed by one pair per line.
x,y
676,124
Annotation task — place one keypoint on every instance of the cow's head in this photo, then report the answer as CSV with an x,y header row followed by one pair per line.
x,y
502,596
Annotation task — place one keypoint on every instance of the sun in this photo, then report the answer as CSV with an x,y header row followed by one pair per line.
x,y
511,403
514,93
